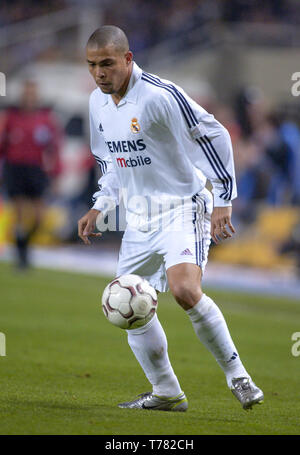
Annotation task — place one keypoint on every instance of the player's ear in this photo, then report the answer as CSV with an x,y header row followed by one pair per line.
x,y
128,57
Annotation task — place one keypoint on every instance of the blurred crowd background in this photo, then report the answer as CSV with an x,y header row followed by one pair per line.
x,y
237,58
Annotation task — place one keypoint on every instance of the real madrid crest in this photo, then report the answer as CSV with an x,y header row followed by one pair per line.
x,y
135,126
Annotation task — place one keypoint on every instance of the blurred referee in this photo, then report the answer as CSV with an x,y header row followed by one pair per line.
x,y
29,144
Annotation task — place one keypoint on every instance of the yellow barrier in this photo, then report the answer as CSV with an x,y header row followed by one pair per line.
x,y
259,244
54,219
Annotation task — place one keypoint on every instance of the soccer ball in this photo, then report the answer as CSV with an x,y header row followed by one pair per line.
x,y
129,301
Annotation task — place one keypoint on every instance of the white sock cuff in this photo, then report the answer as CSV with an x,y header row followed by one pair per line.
x,y
144,328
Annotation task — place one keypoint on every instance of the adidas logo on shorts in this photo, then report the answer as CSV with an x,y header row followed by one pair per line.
x,y
186,252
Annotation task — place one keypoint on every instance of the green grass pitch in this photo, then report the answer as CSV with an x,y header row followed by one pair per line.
x,y
66,367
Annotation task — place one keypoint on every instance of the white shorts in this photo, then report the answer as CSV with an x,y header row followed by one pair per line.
x,y
149,254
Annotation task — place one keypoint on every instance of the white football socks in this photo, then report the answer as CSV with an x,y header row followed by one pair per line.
x,y
149,345
211,329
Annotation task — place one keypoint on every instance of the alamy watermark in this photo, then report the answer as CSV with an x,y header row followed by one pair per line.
x,y
296,346
147,213
2,345
295,89
2,84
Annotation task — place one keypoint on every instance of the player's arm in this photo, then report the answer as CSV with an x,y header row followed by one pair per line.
x,y
87,225
104,200
221,226
107,197
210,152
216,163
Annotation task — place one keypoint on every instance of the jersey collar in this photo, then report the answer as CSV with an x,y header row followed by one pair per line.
x,y
131,92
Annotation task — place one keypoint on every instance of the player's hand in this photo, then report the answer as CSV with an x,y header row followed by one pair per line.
x,y
221,227
86,226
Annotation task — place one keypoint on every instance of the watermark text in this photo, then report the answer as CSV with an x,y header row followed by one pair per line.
x,y
2,345
295,89
148,213
296,346
2,84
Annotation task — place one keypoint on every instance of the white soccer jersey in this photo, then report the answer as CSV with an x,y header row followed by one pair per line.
x,y
158,143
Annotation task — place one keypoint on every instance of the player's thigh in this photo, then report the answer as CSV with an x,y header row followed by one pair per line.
x,y
138,257
184,281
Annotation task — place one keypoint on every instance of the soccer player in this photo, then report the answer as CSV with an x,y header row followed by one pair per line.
x,y
153,141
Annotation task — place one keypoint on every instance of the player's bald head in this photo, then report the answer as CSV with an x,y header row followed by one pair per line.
x,y
108,35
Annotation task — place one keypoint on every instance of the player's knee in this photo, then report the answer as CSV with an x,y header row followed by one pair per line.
x,y
186,295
